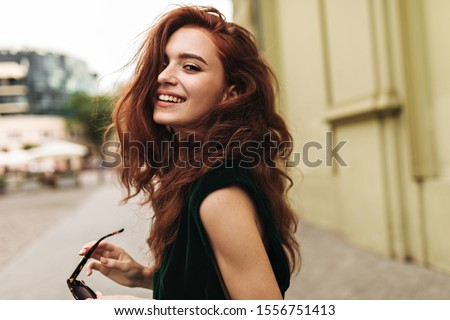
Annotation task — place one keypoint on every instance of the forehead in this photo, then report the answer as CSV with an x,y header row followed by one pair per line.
x,y
192,40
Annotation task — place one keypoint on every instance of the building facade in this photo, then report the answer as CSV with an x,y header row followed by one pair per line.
x,y
17,131
39,82
373,74
34,87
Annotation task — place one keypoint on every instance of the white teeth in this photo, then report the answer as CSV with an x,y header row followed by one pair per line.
x,y
167,98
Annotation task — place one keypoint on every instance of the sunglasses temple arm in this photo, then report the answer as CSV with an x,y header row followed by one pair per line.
x,y
88,255
84,260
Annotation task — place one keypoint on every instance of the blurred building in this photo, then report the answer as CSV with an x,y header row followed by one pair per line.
x,y
19,131
34,87
39,82
13,90
375,74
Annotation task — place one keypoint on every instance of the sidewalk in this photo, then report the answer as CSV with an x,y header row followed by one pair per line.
x,y
332,269
41,270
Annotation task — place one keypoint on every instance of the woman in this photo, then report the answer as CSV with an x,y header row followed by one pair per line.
x,y
202,102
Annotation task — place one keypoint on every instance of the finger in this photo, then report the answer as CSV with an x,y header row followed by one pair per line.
x,y
108,246
102,245
97,256
119,297
86,247
105,266
117,254
97,253
102,297
107,254
89,268
99,250
95,265
113,264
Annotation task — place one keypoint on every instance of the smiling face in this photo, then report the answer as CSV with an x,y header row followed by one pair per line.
x,y
192,82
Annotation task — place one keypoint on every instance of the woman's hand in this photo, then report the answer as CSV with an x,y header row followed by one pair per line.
x,y
100,296
116,264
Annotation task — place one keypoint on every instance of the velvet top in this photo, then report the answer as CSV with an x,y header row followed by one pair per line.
x,y
187,270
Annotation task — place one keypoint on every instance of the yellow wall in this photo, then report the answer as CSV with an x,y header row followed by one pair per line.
x,y
436,16
376,74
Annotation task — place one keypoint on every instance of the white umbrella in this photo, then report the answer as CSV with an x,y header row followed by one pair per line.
x,y
58,149
2,157
16,157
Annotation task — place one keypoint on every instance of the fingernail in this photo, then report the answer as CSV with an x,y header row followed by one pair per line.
x,y
103,260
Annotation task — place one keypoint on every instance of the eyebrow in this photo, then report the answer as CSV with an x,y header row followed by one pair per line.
x,y
191,56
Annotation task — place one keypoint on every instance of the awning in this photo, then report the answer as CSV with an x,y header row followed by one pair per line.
x,y
58,149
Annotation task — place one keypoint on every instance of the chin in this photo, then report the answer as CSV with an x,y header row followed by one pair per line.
x,y
164,122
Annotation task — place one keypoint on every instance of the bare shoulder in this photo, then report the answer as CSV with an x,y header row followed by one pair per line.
x,y
232,202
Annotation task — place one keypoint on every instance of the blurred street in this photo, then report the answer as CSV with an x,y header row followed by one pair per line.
x,y
43,229
46,229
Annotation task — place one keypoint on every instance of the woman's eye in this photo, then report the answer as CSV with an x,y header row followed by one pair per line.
x,y
192,67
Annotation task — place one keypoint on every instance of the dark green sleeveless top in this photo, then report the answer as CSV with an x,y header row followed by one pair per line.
x,y
187,270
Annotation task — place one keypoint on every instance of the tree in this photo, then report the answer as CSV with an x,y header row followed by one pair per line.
x,y
89,114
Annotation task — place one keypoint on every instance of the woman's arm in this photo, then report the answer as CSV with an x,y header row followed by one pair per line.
x,y
232,224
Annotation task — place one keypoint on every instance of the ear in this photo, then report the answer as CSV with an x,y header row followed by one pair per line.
x,y
230,93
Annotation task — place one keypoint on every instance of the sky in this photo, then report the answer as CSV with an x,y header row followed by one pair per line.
x,y
103,33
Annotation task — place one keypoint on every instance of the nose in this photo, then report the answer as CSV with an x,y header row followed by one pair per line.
x,y
167,76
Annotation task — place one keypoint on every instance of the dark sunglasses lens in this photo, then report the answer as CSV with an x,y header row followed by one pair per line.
x,y
83,292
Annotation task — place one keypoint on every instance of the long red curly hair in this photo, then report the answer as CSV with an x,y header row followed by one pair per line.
x,y
157,170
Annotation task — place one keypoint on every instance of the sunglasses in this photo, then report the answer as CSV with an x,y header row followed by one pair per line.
x,y
79,289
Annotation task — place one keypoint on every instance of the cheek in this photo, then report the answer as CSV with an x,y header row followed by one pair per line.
x,y
208,95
